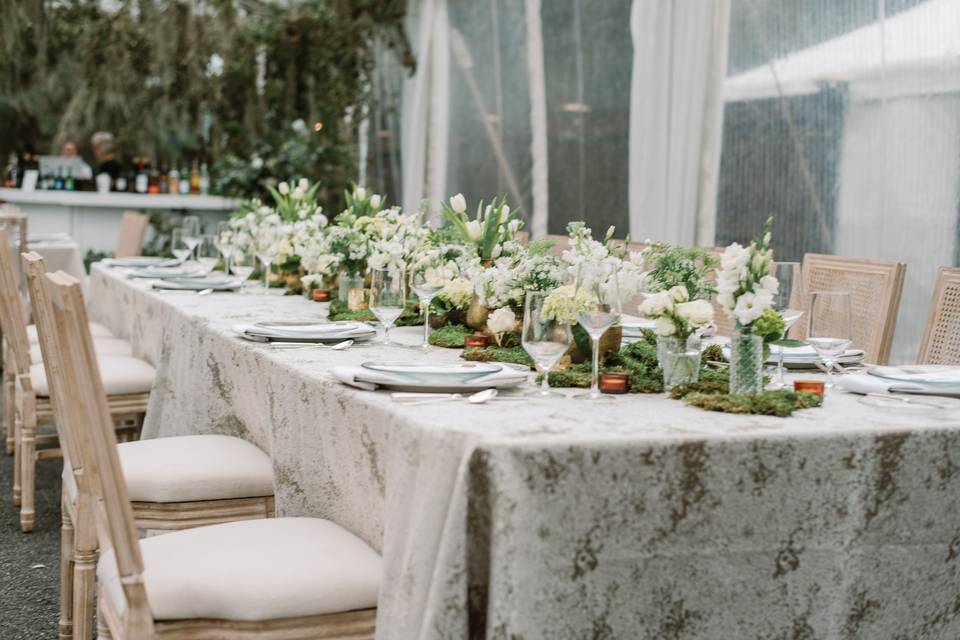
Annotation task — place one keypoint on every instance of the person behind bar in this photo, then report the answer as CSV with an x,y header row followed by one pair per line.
x,y
104,150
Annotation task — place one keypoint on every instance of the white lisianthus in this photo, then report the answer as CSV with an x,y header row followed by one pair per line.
x,y
375,201
502,320
679,294
458,203
665,327
474,230
748,308
283,188
769,283
734,257
656,305
696,312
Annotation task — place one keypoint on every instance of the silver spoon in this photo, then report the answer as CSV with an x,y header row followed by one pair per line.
x,y
479,397
293,346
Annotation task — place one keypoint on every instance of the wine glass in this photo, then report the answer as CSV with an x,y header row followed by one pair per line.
x,y
225,243
600,284
544,338
191,232
830,326
388,297
178,245
790,288
426,283
243,262
207,253
266,245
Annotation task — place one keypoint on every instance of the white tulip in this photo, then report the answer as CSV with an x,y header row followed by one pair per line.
x,y
458,203
504,214
283,188
375,201
665,327
474,230
303,185
360,194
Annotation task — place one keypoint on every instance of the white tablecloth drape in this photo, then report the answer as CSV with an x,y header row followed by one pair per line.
x,y
638,518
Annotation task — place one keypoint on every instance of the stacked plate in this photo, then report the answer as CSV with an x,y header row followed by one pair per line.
x,y
456,377
162,273
216,283
305,331
935,379
633,326
804,357
140,261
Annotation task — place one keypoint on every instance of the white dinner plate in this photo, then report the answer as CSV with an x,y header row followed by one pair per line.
x,y
803,357
939,375
162,273
198,284
340,331
139,261
304,329
458,373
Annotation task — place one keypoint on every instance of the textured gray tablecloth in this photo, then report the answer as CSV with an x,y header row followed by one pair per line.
x,y
637,518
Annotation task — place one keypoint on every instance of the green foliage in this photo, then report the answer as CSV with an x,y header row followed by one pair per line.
x,y
234,80
780,403
449,336
94,256
513,355
680,266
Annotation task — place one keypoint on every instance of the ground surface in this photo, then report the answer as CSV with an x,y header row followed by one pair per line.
x,y
29,562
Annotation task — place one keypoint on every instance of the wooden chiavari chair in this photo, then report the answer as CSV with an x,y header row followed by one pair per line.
x,y
941,337
270,579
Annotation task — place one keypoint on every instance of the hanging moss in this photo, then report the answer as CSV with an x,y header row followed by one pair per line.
x,y
450,336
513,355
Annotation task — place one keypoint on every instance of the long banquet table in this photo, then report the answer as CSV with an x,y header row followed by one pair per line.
x,y
637,518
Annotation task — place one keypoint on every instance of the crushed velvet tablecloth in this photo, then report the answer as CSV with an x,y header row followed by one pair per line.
x,y
637,518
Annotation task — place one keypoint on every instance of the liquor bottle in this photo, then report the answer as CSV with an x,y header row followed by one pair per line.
x,y
58,183
142,181
194,178
184,186
164,183
204,179
13,172
69,184
120,184
172,179
153,180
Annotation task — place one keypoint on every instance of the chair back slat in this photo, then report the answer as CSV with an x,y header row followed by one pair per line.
x,y
15,223
875,287
11,314
941,337
133,226
84,395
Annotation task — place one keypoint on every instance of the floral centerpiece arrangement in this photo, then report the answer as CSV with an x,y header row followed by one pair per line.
x,y
493,232
745,291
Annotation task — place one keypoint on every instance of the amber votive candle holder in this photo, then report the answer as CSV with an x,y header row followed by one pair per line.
x,y
321,295
808,386
613,382
475,342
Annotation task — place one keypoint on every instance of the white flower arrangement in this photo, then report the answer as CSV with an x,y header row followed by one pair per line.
x,y
566,303
492,232
745,286
591,260
398,239
675,313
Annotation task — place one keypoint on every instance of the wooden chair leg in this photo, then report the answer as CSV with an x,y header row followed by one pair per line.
x,y
9,411
103,631
28,465
66,570
17,465
85,552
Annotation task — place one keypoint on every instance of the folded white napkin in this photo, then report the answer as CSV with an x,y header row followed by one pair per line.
x,y
248,330
865,383
363,378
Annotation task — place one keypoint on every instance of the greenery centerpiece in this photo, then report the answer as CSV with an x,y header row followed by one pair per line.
x,y
745,291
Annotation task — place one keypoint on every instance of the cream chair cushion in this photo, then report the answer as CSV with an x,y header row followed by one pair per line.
x,y
103,347
121,375
252,570
96,330
190,468
202,467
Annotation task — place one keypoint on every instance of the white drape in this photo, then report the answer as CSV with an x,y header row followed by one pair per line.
x,y
676,115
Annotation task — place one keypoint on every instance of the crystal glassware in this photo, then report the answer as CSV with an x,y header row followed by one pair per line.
x,y
191,232
266,248
178,245
830,326
207,253
426,285
790,288
599,283
544,338
225,243
243,262
388,297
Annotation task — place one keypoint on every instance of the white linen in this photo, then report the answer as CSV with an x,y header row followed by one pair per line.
x,y
121,375
864,383
252,570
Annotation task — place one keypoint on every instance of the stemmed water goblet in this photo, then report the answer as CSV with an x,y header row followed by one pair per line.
x,y
388,297
224,241
207,254
191,232
266,247
599,284
178,245
426,283
830,327
790,288
544,338
243,262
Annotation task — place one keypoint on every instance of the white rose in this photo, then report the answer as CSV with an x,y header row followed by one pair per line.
x,y
360,194
283,188
696,312
747,309
665,327
458,203
657,305
375,201
502,320
679,294
474,230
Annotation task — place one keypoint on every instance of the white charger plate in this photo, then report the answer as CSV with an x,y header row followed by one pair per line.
x,y
198,284
945,376
138,261
456,374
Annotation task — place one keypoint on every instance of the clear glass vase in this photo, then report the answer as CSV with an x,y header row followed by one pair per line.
x,y
746,364
346,281
679,360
